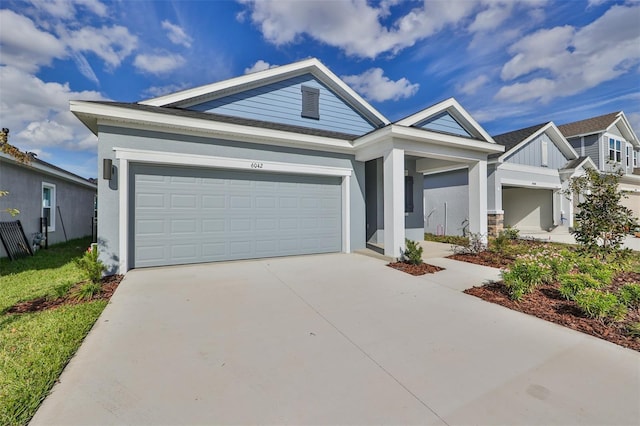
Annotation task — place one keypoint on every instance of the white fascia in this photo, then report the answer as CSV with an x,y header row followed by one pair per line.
x,y
127,156
314,66
452,106
522,168
630,134
520,183
95,114
35,165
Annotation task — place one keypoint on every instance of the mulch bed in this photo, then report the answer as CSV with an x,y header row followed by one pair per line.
x,y
484,258
108,287
415,270
547,303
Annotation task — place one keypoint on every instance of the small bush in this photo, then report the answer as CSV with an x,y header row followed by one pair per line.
x,y
629,295
449,239
518,288
90,265
572,284
59,291
87,291
510,233
599,270
633,329
475,245
413,253
600,305
501,243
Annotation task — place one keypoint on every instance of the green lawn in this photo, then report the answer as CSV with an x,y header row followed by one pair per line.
x,y
35,347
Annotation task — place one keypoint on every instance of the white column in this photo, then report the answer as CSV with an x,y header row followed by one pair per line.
x,y
393,167
478,199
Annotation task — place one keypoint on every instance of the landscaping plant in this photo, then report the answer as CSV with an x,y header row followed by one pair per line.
x,y
602,222
91,265
629,295
413,252
600,305
572,284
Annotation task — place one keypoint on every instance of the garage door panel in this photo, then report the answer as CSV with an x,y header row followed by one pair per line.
x,y
199,215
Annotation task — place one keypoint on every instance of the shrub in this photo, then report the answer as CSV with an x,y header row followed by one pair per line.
x,y
633,329
572,284
475,245
413,253
500,243
90,265
599,270
518,288
525,274
629,295
600,305
510,233
87,291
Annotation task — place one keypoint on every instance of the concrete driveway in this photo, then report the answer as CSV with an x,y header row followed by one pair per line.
x,y
331,339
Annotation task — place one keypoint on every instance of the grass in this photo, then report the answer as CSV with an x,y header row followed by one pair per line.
x,y
449,239
35,347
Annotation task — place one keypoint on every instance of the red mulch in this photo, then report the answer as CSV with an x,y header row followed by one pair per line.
x,y
108,284
485,258
547,303
416,270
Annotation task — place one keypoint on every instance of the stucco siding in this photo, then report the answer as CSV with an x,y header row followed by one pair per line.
x,y
74,206
531,154
108,222
446,202
281,102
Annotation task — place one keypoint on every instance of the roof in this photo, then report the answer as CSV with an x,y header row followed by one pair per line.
x,y
511,139
573,164
590,125
179,112
43,166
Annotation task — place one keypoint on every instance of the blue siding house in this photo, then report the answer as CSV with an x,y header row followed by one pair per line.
x,y
285,161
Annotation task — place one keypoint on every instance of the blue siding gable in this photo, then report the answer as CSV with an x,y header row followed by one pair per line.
x,y
281,102
531,154
444,122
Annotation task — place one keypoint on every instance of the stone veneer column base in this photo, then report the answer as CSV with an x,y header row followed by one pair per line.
x,y
495,223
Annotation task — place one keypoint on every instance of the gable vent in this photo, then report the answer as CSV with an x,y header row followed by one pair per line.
x,y
310,102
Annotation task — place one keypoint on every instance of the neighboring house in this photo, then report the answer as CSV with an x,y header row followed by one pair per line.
x,y
612,144
39,190
280,162
525,189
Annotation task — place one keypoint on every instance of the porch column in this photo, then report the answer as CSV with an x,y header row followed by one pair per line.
x,y
478,199
393,168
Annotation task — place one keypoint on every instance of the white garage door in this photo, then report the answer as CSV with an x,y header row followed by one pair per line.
x,y
528,209
192,215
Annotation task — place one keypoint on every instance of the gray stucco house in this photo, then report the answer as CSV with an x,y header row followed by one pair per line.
x,y
609,140
280,162
525,185
41,190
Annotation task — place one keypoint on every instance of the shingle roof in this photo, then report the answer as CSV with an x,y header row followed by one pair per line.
x,y
588,126
179,112
574,163
511,139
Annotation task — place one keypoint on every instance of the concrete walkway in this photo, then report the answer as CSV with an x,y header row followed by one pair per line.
x,y
630,242
333,339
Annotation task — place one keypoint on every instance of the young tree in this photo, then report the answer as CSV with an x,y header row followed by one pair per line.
x,y
21,157
602,221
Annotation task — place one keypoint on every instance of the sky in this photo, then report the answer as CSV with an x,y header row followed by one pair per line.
x,y
511,64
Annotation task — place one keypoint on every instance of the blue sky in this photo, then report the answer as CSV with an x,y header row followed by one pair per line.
x,y
511,64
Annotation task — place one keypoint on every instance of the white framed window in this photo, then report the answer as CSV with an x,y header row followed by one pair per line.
x,y
615,150
49,205
635,159
628,156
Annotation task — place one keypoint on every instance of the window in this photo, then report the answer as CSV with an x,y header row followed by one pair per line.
x,y
310,102
408,194
545,153
49,205
615,150
635,159
628,156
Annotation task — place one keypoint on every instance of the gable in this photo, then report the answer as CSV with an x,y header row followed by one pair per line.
x,y
615,130
531,154
445,123
282,102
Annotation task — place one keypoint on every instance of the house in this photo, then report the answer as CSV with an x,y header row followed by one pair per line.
x,y
42,190
526,185
611,143
285,161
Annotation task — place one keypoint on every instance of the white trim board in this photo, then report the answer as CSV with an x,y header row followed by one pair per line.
x,y
126,156
528,184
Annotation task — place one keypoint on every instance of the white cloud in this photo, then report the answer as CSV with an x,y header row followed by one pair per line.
x,y
66,9
155,91
85,68
634,120
470,87
111,44
158,64
38,112
374,86
176,34
24,46
492,17
260,65
563,61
